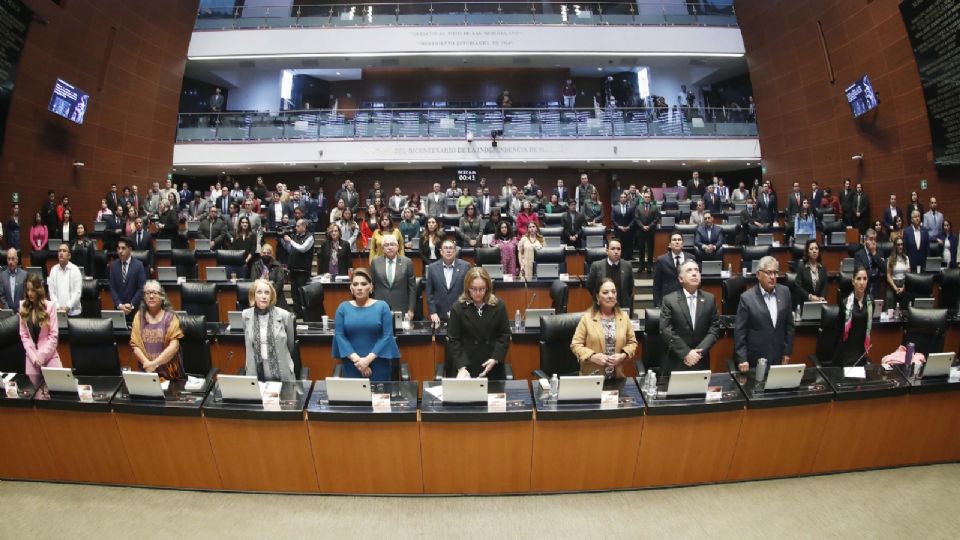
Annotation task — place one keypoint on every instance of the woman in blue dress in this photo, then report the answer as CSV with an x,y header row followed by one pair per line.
x,y
364,339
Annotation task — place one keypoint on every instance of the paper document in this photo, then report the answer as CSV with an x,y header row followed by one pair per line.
x,y
194,383
858,372
435,391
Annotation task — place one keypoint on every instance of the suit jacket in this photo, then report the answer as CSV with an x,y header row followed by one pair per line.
x,y
440,298
755,336
284,338
863,207
916,254
816,198
793,207
888,217
712,202
645,217
146,242
680,336
11,298
705,237
572,225
847,200
803,285
700,188
665,276
598,271
219,235
131,290
876,268
45,349
343,257
623,218
562,196
768,210
434,207
474,338
589,339
402,295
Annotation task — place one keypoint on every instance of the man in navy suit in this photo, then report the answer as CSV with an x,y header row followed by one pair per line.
x,y
711,201
709,239
767,204
444,282
891,212
917,243
764,323
127,277
666,271
816,195
623,229
142,240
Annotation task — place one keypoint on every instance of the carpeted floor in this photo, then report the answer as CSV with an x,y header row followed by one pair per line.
x,y
914,502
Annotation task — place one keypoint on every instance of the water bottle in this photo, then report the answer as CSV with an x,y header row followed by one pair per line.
x,y
652,383
908,359
730,270
554,385
761,374
516,320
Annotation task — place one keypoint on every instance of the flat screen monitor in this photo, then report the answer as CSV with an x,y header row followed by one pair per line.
x,y
69,101
861,97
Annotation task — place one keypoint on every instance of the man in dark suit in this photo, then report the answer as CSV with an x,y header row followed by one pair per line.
x,y
794,201
615,268
696,186
846,202
561,192
141,240
709,239
750,222
113,198
711,201
127,277
767,204
393,279
860,209
48,212
623,229
444,282
917,243
816,195
868,256
572,222
646,218
215,229
666,271
689,323
891,212
764,322
12,280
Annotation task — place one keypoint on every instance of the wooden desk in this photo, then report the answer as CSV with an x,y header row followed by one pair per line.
x,y
169,451
778,442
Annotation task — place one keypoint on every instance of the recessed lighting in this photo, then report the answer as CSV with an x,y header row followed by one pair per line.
x,y
338,73
684,164
599,69
648,161
748,164
708,161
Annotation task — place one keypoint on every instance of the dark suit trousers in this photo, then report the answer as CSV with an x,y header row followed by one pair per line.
x,y
298,278
645,246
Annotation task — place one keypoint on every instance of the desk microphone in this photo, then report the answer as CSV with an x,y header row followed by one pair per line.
x,y
530,303
862,356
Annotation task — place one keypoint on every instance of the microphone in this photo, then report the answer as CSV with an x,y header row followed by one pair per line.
x,y
862,356
530,303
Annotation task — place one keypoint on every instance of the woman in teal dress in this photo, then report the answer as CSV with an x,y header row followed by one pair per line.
x,y
364,339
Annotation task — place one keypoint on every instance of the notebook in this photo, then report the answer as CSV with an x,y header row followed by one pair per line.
x,y
495,270
164,244
934,264
595,241
838,238
938,365
143,384
59,379
811,311
193,226
166,274
711,268
764,239
201,244
235,321
118,318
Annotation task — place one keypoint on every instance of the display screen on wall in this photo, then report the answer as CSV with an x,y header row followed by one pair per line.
x,y
861,97
934,30
466,175
14,23
69,101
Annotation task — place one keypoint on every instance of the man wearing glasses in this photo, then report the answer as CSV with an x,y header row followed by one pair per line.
x,y
764,325
444,282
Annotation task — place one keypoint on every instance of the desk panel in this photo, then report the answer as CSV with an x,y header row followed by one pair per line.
x,y
169,451
86,446
262,455
931,432
779,441
577,455
686,448
25,453
861,434
367,457
476,457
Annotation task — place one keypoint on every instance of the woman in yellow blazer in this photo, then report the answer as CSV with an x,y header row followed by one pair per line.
x,y
604,339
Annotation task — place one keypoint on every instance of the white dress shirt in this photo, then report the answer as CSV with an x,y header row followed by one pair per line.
x,y
65,285
771,300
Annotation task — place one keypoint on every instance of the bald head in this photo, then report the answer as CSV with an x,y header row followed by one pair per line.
x,y
12,259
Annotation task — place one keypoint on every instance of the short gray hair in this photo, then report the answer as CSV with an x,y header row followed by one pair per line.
x,y
768,262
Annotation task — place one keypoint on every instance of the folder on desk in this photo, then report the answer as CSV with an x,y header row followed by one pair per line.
x,y
216,274
59,379
144,385
532,317
235,321
711,268
938,365
201,244
118,318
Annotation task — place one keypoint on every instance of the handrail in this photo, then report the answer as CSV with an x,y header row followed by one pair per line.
x,y
225,15
456,123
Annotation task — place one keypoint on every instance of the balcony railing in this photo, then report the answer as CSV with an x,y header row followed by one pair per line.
x,y
546,123
224,15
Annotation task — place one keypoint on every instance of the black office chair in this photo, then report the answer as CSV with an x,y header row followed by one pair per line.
x,y
200,299
559,295
753,253
592,255
12,356
595,230
243,294
828,336
487,255
38,259
551,255
844,286
796,257
552,219
686,228
551,231
100,265
918,286
731,290
836,226
885,249
195,345
950,289
233,260
311,296
654,347
926,329
185,261
93,347
729,231
145,257
556,333
90,299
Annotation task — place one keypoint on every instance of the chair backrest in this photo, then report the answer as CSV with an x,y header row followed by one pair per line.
x,y
243,294
732,289
312,298
418,304
925,328
552,219
755,253
38,258
200,299
551,231
185,260
556,333
828,334
230,257
844,286
885,248
950,289
551,255
831,227
100,265
143,256
195,345
594,230
90,299
686,228
488,255
12,356
559,294
918,286
93,348
729,232
654,348
592,255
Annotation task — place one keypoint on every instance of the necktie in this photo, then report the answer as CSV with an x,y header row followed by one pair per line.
x,y
390,271
123,272
677,257
692,306
139,238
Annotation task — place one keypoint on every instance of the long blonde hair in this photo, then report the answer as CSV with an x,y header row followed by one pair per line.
x,y
34,311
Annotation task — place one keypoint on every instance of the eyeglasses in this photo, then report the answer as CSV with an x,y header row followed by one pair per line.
x,y
152,293
771,272
478,290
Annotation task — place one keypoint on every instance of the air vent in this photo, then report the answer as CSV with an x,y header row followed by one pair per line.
x,y
310,62
394,62
247,64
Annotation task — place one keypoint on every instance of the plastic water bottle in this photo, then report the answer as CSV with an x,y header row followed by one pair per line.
x,y
761,374
554,385
908,359
729,270
516,320
651,382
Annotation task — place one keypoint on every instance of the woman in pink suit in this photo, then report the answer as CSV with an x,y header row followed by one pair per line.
x,y
38,327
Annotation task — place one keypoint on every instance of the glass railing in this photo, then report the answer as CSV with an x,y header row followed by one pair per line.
x,y
224,15
465,123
